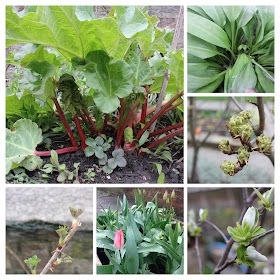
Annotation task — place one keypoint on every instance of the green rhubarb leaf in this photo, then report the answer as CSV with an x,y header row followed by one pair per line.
x,y
142,71
66,29
131,20
21,143
110,80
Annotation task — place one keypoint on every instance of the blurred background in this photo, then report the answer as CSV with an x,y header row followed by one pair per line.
x,y
207,120
224,209
33,215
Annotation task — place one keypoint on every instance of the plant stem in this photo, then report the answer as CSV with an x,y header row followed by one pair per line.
x,y
57,251
157,115
198,254
173,106
60,151
80,130
145,105
166,129
66,125
159,141
119,138
106,119
91,121
218,230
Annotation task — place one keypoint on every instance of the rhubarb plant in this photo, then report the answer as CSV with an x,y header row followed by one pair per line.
x,y
231,49
101,71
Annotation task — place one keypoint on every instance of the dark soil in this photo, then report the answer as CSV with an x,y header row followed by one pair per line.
x,y
139,169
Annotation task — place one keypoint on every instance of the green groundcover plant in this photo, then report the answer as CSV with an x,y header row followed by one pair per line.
x,y
142,239
101,72
231,49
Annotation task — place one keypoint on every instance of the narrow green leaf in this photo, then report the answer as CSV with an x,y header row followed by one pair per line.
x,y
232,12
161,178
207,30
216,13
170,250
132,258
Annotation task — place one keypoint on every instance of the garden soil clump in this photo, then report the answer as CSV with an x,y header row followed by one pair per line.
x,y
139,169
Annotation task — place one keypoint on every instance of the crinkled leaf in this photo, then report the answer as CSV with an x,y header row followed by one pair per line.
x,y
110,80
22,142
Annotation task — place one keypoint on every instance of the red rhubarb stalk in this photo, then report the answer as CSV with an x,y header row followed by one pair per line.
x,y
66,125
150,110
172,107
157,115
120,135
106,119
80,130
159,141
60,151
91,121
160,131
145,105
121,116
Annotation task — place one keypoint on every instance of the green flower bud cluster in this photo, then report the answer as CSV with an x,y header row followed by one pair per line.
x,y
243,155
264,144
240,125
228,167
32,263
224,146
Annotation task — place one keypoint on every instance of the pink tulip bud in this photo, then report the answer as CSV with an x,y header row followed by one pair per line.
x,y
250,91
119,240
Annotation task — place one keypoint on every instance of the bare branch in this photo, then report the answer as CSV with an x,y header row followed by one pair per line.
x,y
18,260
198,254
262,235
218,230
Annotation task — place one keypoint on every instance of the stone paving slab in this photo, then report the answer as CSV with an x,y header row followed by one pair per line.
x,y
49,204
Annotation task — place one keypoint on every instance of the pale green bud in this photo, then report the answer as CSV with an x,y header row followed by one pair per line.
x,y
264,144
228,167
243,155
254,255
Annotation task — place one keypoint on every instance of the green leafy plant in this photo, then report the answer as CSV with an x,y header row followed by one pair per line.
x,y
241,128
230,49
58,255
245,234
64,173
117,160
141,237
98,70
248,230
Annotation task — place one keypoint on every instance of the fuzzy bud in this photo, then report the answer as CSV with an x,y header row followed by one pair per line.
x,y
243,155
264,144
228,167
224,146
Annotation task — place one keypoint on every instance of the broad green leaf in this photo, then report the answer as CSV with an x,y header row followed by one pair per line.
x,y
161,178
110,80
59,27
232,12
248,30
245,16
84,13
216,13
146,248
133,225
22,142
245,79
104,269
207,31
265,82
132,257
198,79
41,55
198,10
172,86
131,20
241,250
201,48
174,61
143,138
242,60
142,71
212,86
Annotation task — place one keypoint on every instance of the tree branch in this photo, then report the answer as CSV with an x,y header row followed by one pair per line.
x,y
59,251
198,254
218,230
